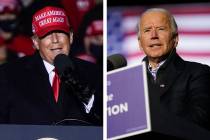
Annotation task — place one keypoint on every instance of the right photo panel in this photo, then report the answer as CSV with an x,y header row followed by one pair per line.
x,y
158,74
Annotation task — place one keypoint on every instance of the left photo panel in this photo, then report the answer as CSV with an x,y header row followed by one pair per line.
x,y
51,69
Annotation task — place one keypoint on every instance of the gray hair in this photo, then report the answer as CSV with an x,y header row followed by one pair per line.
x,y
174,26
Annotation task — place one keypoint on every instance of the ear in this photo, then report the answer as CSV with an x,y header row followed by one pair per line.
x,y
35,40
139,41
71,36
176,40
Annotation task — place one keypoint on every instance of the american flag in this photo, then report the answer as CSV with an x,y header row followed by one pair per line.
x,y
193,24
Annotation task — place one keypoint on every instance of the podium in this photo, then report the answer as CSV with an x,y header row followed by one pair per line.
x,y
129,85
34,132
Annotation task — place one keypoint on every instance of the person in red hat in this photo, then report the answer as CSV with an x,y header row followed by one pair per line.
x,y
14,42
90,44
93,43
38,89
7,26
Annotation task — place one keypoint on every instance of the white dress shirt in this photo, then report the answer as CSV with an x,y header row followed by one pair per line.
x,y
50,69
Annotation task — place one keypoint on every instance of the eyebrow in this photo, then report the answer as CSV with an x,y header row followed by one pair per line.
x,y
145,28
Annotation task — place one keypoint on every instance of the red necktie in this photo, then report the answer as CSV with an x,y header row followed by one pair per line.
x,y
56,85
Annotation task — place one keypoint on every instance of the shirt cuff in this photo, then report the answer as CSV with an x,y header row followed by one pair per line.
x,y
89,105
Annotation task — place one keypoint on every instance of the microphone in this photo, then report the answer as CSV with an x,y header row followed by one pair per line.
x,y
67,74
116,61
63,62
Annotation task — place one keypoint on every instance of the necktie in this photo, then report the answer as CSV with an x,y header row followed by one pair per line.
x,y
56,85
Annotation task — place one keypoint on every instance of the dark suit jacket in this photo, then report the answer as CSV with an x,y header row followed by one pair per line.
x,y
183,89
27,96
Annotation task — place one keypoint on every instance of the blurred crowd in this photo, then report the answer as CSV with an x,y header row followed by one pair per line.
x,y
86,20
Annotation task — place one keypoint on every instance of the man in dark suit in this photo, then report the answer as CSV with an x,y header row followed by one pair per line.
x,y
27,85
181,86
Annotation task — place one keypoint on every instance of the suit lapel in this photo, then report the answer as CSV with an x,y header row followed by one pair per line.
x,y
168,74
167,80
40,84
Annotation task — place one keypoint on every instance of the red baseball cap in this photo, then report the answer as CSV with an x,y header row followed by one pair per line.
x,y
50,19
9,6
95,28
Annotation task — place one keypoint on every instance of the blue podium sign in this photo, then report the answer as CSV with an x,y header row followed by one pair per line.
x,y
127,105
47,132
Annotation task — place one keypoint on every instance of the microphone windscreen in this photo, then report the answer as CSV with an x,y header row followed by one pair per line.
x,y
116,61
63,62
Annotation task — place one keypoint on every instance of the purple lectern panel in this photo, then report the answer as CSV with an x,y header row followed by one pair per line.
x,y
127,112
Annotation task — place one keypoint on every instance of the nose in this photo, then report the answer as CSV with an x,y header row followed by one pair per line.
x,y
154,34
54,38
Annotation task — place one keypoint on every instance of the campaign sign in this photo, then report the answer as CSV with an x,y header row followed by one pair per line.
x,y
127,102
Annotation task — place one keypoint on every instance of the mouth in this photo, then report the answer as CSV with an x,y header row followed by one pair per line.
x,y
155,45
56,50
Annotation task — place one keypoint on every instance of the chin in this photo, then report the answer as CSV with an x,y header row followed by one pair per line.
x,y
155,55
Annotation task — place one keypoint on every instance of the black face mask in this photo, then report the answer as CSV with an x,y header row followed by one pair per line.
x,y
8,25
97,52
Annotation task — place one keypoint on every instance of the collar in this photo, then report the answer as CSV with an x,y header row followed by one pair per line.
x,y
158,66
169,58
155,70
49,67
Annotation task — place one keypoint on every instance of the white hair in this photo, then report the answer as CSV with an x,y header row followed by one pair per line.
x,y
174,26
